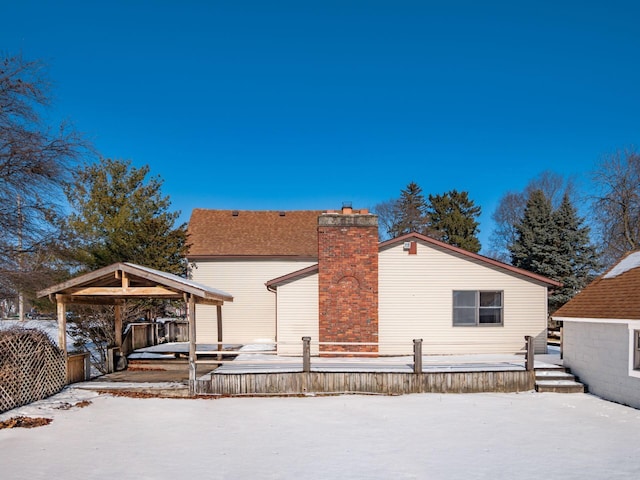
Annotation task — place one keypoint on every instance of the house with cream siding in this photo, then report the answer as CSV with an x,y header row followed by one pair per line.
x,y
238,251
601,333
351,288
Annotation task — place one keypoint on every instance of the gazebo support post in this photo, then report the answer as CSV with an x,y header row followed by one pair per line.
x,y
118,323
191,317
61,311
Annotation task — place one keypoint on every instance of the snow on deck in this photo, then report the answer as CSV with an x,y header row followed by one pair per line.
x,y
263,361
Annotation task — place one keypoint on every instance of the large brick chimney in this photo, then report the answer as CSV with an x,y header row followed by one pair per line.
x,y
348,279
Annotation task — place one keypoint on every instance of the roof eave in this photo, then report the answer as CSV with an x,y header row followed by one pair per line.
x,y
310,270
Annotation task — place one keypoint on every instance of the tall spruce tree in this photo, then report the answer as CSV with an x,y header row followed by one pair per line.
x,y
410,212
577,260
453,215
536,245
510,210
556,244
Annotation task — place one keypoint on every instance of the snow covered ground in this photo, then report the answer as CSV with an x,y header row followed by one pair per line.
x,y
475,436
50,327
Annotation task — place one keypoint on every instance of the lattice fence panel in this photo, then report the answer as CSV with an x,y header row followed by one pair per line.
x,y
32,367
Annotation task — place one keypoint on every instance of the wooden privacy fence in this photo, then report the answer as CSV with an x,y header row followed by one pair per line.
x,y
32,367
175,331
78,367
139,335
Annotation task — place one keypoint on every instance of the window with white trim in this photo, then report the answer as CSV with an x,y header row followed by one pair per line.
x,y
636,350
472,308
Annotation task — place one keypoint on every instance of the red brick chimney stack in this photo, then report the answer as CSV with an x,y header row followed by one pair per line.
x,y
348,278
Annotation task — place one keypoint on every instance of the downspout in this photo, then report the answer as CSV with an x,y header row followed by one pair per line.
x,y
274,290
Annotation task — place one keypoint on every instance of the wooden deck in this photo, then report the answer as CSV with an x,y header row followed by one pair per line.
x,y
266,373
388,376
386,383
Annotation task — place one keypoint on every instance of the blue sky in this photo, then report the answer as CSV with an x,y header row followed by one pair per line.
x,y
304,104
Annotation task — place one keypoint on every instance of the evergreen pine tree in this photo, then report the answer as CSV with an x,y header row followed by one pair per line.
x,y
555,244
536,246
577,259
410,212
453,215
121,216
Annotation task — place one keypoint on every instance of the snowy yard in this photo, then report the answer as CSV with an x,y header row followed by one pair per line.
x,y
475,436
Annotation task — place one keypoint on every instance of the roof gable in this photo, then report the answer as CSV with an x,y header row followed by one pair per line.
x,y
613,295
241,233
472,256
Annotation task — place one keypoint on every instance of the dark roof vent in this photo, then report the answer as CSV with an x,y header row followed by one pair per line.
x,y
281,214
234,213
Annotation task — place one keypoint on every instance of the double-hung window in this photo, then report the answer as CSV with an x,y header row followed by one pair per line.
x,y
473,308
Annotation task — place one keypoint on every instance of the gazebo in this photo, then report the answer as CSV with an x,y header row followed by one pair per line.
x,y
118,282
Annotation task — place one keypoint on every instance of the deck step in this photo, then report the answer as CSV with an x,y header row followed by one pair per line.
x,y
157,362
557,379
557,374
559,386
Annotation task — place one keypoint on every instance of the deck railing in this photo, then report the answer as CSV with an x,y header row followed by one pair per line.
x,y
419,357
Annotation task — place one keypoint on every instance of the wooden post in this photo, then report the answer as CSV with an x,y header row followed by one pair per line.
x,y
306,354
118,323
219,318
528,359
191,316
561,341
417,355
62,326
87,366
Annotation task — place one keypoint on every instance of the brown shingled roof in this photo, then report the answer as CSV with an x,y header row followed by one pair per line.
x,y
608,298
214,233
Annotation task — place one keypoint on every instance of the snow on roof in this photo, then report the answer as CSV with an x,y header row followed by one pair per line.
x,y
182,280
630,262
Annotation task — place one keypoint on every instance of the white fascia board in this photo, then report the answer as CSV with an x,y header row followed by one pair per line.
x,y
626,321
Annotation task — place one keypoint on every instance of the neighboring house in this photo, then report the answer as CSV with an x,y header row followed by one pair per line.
x,y
339,284
601,333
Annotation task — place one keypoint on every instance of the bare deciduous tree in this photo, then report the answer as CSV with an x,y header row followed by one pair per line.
x,y
386,212
617,204
34,160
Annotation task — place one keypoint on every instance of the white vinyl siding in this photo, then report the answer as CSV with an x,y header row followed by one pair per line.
x,y
416,301
251,317
298,315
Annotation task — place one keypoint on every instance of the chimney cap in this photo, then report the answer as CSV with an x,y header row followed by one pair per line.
x,y
347,204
